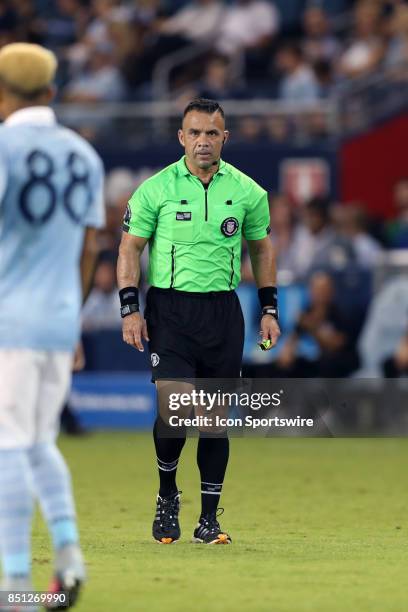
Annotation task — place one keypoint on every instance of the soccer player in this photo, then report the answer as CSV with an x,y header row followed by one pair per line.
x,y
194,214
51,185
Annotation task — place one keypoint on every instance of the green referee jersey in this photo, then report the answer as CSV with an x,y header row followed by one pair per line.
x,y
195,232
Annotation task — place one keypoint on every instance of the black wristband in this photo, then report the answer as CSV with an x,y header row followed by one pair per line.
x,y
129,296
268,296
128,309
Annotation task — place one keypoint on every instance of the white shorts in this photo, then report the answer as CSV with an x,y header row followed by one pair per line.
x,y
33,388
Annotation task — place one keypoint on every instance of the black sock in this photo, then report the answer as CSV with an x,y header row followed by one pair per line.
x,y
212,459
168,451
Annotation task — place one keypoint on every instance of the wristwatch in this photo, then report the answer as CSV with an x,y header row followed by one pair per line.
x,y
128,309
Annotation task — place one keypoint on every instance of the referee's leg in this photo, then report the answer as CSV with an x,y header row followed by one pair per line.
x,y
169,442
170,360
220,360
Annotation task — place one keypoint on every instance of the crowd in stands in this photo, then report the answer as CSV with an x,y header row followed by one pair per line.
x,y
296,50
333,250
301,54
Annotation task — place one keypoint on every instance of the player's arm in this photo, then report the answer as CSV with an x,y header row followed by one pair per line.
x,y
89,256
128,274
93,220
263,262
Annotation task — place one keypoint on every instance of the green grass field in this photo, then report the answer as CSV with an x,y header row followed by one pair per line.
x,y
317,525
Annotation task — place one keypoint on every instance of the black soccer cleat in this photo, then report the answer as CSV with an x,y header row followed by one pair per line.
x,y
166,527
208,530
66,585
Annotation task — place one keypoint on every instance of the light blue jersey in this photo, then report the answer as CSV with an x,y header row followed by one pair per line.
x,y
51,189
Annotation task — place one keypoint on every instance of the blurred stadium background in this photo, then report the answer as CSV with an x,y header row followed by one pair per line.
x,y
316,97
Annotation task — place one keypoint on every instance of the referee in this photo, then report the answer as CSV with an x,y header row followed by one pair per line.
x,y
194,214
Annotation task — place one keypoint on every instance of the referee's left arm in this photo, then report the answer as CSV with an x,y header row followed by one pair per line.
x,y
263,263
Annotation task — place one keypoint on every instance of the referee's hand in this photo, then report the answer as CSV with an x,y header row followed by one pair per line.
x,y
269,330
134,328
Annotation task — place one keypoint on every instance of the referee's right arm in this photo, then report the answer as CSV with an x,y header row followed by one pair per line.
x,y
139,224
128,274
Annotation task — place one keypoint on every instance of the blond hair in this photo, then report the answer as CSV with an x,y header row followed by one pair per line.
x,y
26,69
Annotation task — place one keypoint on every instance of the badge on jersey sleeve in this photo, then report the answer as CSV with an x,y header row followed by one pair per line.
x,y
229,226
126,219
128,215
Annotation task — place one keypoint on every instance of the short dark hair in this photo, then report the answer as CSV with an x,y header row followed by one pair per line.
x,y
202,105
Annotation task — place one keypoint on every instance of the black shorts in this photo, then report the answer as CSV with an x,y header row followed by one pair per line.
x,y
194,335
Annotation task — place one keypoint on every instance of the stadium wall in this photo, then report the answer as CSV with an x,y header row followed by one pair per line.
x,y
370,164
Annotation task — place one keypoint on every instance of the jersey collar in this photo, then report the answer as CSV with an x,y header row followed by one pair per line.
x,y
35,115
184,171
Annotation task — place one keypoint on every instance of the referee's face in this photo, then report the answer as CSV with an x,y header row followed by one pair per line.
x,y
202,136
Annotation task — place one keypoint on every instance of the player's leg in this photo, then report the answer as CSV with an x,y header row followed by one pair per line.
x,y
221,359
19,383
52,480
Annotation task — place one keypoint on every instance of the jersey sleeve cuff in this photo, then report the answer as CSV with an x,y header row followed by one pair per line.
x,y
256,235
96,224
136,231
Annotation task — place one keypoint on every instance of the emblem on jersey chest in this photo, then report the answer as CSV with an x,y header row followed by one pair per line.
x,y
229,226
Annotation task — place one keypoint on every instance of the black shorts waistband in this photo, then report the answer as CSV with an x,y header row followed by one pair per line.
x,y
196,294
